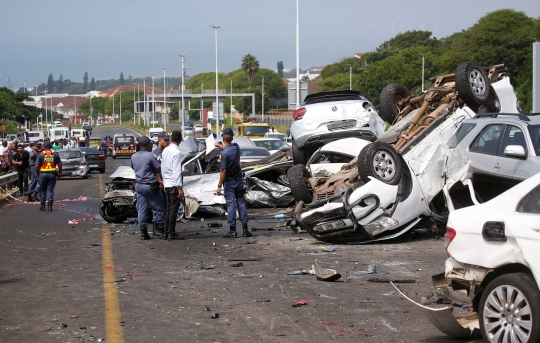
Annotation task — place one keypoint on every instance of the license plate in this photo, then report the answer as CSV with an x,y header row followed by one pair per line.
x,y
338,224
94,165
125,147
342,125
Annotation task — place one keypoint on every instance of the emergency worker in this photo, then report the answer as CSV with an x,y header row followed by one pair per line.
x,y
231,180
163,142
46,165
147,187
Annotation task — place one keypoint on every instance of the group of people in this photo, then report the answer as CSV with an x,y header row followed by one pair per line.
x,y
159,184
37,162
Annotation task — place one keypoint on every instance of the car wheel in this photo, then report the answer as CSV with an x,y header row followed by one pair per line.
x,y
509,310
181,210
102,171
381,161
390,96
298,182
298,155
472,83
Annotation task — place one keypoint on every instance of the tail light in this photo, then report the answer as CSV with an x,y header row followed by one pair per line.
x,y
449,236
101,157
299,113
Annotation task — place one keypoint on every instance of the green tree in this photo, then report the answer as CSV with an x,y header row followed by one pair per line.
x,y
250,65
92,84
127,116
280,68
85,81
50,84
60,84
12,108
121,78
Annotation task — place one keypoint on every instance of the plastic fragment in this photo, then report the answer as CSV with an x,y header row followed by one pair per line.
x,y
300,303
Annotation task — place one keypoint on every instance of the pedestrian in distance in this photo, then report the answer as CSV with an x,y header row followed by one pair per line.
x,y
163,142
231,180
103,147
46,165
33,187
147,185
171,169
20,161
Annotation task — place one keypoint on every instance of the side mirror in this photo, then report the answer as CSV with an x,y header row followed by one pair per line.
x,y
514,151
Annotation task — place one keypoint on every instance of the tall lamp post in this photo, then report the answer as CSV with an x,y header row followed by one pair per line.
x,y
153,103
350,76
183,55
262,93
422,72
216,114
164,115
297,59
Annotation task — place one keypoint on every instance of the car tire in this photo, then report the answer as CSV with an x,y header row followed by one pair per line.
x,y
390,96
493,104
102,171
381,161
298,182
472,83
298,155
490,313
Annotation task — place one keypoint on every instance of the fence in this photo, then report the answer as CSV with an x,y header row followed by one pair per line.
x,y
6,180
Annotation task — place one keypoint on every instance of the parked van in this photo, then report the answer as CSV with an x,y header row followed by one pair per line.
x,y
83,135
33,136
153,133
58,133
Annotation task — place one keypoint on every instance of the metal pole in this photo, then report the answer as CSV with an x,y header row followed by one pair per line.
x,y
145,102
262,110
202,102
183,66
231,104
153,103
536,78
164,115
422,72
91,108
113,106
297,59
216,115
120,108
350,77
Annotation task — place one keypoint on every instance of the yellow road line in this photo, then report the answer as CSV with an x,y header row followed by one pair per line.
x,y
113,328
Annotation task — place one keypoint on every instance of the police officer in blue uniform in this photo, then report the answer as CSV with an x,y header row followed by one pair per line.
x,y
230,179
46,169
147,187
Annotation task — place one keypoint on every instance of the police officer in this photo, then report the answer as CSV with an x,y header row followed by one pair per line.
x,y
163,142
103,147
231,180
46,164
147,187
33,176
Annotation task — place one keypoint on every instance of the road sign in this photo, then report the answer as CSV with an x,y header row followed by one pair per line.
x,y
4,128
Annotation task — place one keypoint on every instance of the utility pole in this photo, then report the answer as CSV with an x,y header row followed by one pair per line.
x,y
120,108
153,103
164,115
297,59
183,55
262,110
231,103
216,114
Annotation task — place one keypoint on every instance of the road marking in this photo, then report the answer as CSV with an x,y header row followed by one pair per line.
x,y
113,328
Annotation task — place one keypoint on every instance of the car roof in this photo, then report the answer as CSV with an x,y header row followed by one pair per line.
x,y
533,118
331,95
243,141
266,139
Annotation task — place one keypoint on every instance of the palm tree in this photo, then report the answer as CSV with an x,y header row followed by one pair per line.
x,y
250,65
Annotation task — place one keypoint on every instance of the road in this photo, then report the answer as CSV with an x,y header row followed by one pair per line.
x,y
62,282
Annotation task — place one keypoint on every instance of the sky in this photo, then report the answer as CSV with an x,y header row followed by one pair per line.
x,y
141,37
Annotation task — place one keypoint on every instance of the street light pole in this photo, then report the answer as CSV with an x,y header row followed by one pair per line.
x,y
182,107
153,103
164,115
120,108
231,103
262,110
297,59
216,114
422,72
350,77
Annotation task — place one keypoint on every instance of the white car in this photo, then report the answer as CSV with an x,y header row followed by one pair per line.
x,y
198,128
277,135
272,144
493,256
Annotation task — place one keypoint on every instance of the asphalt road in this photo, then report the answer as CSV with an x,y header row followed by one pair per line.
x,y
62,282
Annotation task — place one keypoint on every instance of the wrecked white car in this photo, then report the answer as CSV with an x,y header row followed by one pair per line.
x,y
501,274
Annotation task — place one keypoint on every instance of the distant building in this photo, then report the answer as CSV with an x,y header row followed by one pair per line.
x,y
359,54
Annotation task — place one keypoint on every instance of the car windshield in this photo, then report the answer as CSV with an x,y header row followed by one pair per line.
x,y
255,130
250,152
33,134
65,155
534,131
271,144
330,157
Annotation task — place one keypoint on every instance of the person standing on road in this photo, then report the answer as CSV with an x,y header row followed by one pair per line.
x,y
163,142
231,178
147,185
32,166
20,160
103,147
171,168
46,164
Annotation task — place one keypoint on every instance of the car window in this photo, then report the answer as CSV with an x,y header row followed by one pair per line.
x,y
513,136
64,155
331,157
255,130
534,131
461,133
531,202
124,140
247,152
489,140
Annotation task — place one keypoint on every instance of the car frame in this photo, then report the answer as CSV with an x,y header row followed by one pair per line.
x,y
73,163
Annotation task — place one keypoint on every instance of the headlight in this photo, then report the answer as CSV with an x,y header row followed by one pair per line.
x,y
380,225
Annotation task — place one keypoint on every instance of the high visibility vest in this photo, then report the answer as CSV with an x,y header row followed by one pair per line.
x,y
48,162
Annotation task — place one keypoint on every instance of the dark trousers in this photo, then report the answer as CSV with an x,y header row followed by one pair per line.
x,y
33,180
147,198
23,180
234,196
173,203
47,181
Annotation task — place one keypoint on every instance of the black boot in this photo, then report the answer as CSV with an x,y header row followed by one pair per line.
x,y
144,234
231,233
42,208
49,207
158,231
30,198
175,236
246,232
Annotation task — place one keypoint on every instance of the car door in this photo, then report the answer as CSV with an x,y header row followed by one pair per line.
x,y
526,228
483,149
509,166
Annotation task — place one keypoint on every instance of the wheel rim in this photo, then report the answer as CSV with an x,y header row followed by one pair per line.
x,y
477,81
384,165
507,315
181,211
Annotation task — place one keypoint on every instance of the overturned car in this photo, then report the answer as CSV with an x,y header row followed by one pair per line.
x,y
387,190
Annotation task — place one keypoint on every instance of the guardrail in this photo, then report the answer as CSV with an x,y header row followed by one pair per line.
x,y
6,180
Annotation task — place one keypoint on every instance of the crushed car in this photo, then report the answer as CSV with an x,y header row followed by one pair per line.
x,y
387,190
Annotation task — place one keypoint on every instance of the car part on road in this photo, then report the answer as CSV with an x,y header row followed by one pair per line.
x,y
323,274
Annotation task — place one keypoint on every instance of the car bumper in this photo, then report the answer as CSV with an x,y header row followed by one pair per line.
x,y
323,137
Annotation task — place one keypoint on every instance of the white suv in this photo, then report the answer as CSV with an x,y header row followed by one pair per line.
x,y
328,116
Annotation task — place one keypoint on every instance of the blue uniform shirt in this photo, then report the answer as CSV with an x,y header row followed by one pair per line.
x,y
229,154
144,164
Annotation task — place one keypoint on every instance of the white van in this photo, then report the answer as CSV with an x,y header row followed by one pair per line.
x,y
33,136
83,136
58,133
153,134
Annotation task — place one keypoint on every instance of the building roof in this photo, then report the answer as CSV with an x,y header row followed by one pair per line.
x,y
113,91
359,54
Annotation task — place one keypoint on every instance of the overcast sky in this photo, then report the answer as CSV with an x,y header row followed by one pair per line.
x,y
140,37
